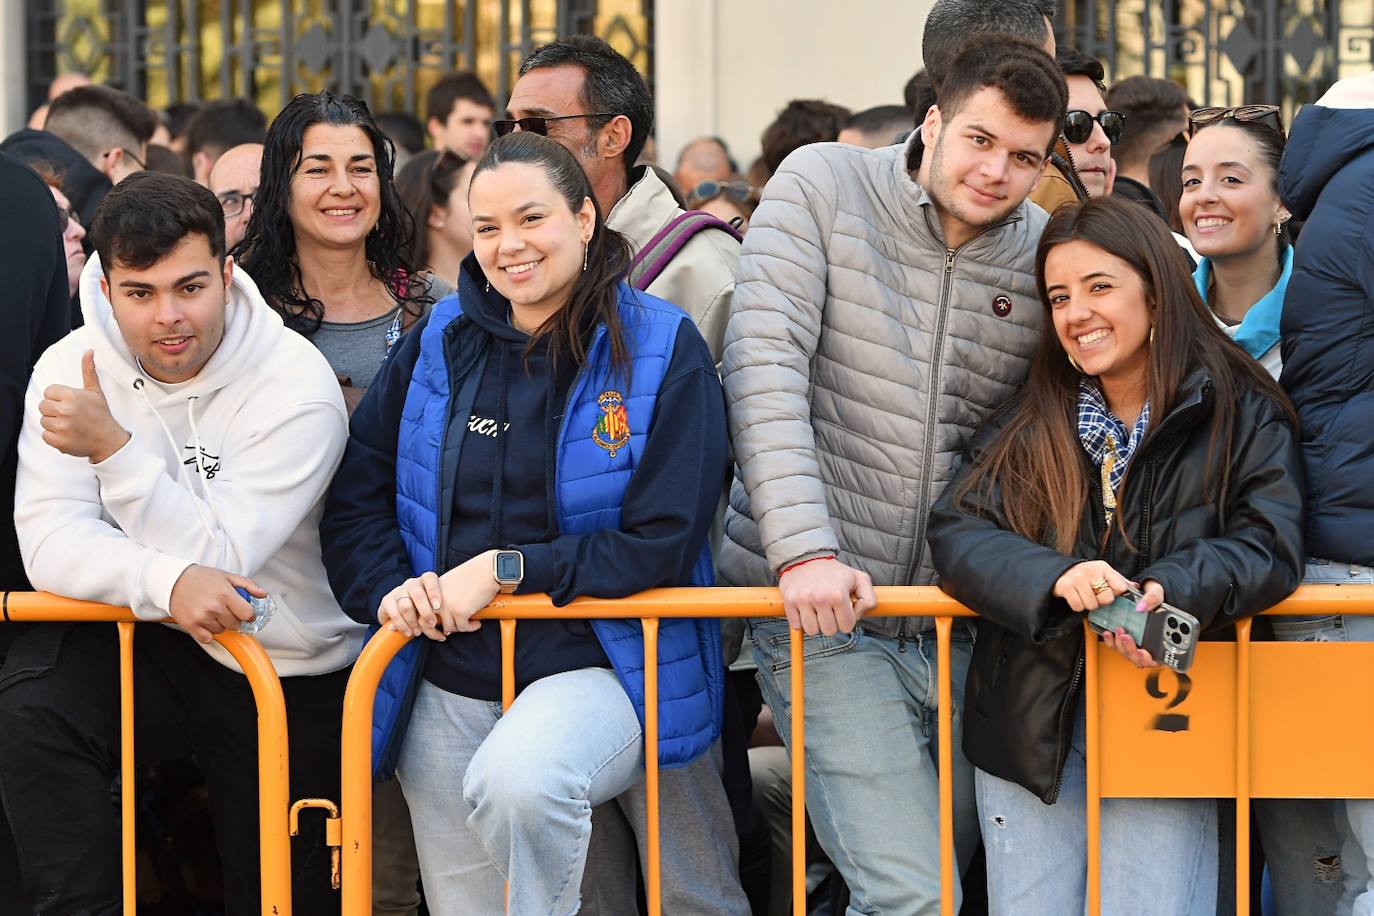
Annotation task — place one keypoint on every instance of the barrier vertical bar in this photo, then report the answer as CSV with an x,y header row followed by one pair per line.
x,y
1243,765
507,686
356,771
126,765
507,664
1093,749
274,789
653,888
945,723
798,679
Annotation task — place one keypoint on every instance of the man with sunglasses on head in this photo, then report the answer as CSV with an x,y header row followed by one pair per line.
x,y
1082,165
588,97
584,94
234,182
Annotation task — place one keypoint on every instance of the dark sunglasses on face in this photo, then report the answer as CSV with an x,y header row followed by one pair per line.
x,y
1268,115
738,191
1078,125
537,125
233,202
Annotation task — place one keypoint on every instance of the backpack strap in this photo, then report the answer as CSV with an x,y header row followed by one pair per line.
x,y
664,246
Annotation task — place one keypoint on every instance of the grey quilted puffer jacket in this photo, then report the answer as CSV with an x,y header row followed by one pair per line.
x,y
860,355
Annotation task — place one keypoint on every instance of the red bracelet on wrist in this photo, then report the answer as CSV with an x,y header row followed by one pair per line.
x,y
787,569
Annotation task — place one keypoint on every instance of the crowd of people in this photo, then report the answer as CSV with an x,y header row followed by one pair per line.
x,y
1038,340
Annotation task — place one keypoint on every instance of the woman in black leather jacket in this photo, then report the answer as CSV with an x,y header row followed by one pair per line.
x,y
1146,448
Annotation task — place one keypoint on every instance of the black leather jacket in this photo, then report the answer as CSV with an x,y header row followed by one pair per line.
x,y
1218,562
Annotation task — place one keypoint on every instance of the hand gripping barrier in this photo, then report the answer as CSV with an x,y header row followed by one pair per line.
x,y
1248,721
273,791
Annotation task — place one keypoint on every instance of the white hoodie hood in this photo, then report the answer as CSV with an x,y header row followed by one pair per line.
x,y
226,470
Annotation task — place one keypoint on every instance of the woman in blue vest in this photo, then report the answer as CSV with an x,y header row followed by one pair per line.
x,y
549,430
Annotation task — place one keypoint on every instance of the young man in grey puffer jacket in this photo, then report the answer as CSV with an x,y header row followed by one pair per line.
x,y
885,305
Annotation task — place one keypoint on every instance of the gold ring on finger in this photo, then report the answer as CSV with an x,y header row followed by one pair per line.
x,y
1099,586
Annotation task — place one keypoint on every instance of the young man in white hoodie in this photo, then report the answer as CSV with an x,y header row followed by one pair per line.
x,y
174,449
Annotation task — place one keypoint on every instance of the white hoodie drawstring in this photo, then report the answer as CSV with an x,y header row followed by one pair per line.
x,y
139,386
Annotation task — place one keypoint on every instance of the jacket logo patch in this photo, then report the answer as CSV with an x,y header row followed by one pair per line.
x,y
612,430
1002,306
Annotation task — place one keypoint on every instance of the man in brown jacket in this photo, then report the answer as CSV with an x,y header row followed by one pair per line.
x,y
1082,164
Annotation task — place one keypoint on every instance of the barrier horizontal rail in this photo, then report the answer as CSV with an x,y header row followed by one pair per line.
x,y
651,606
273,763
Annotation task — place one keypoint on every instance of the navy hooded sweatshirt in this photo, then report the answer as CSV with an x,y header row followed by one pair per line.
x,y
1327,328
504,496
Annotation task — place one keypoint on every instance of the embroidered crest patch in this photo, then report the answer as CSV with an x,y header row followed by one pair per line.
x,y
612,430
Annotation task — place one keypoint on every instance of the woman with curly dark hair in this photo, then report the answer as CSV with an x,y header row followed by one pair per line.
x,y
328,238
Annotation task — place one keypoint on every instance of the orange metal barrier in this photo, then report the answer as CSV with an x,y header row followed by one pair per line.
x,y
273,791
1247,721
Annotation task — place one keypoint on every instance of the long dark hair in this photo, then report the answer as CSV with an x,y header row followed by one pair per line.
x,y
427,179
1033,459
595,294
268,249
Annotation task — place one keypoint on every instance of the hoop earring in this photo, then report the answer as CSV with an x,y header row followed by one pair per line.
x,y
1152,334
585,247
488,285
1278,228
1073,362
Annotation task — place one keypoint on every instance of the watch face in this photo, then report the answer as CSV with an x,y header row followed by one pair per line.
x,y
508,566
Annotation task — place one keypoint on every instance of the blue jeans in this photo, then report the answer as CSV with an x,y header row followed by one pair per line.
x,y
1159,855
497,798
1310,843
872,784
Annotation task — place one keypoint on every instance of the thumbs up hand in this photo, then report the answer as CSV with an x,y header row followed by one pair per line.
x,y
77,421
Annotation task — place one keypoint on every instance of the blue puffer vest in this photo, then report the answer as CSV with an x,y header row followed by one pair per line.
x,y
590,485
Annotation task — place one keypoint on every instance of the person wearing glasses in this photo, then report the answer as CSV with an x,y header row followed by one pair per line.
x,y
1232,215
234,181
1082,165
732,200
434,187
96,136
1326,334
583,93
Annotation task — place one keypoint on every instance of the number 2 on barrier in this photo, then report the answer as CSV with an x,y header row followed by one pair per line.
x,y
1169,721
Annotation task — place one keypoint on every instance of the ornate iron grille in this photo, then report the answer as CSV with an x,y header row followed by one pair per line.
x,y
387,52
1228,52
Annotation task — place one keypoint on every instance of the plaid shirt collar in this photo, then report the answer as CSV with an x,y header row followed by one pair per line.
x,y
1099,429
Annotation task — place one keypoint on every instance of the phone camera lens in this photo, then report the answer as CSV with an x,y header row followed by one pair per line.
x,y
1173,621
1184,628
1175,638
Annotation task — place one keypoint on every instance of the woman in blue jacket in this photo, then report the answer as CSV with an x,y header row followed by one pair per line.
x,y
545,430
1232,214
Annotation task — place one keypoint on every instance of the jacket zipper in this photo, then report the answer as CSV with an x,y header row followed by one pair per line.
x,y
1142,546
932,409
1075,181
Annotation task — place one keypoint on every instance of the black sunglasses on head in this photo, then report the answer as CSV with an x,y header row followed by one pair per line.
x,y
1078,125
537,125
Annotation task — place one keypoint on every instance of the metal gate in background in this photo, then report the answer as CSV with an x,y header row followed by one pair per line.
x,y
1228,52
387,52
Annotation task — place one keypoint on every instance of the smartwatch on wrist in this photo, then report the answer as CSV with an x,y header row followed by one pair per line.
x,y
509,570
